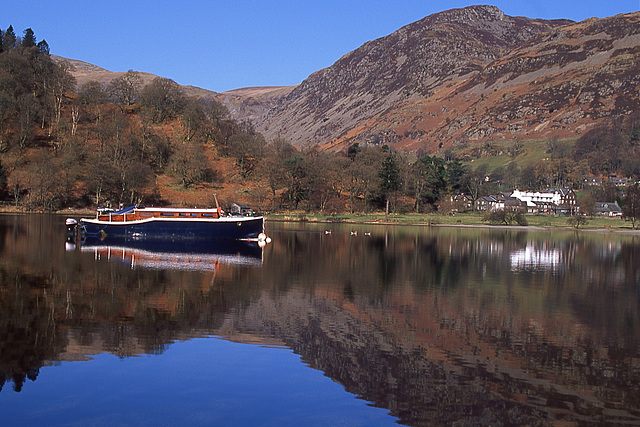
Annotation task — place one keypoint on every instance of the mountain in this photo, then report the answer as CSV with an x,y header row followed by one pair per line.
x,y
458,77
85,72
454,78
244,104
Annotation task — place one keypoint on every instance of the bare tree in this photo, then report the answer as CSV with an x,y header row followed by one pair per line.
x,y
164,98
631,204
27,110
189,163
514,147
92,97
61,83
125,89
7,108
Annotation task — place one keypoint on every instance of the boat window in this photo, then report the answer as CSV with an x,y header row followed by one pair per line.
x,y
146,213
167,214
182,214
207,214
194,214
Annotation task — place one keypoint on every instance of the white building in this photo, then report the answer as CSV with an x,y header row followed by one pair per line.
x,y
552,200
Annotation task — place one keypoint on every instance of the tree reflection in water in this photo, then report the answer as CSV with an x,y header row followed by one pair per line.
x,y
437,325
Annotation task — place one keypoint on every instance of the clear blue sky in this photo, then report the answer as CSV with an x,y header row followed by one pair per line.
x,y
223,45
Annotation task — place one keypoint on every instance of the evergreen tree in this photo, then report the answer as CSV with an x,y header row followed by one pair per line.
x,y
428,178
455,171
1,42
353,151
29,39
43,46
389,179
9,38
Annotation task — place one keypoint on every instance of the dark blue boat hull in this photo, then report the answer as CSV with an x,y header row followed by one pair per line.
x,y
178,246
222,228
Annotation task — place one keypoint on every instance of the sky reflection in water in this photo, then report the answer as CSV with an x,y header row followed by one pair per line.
x,y
198,382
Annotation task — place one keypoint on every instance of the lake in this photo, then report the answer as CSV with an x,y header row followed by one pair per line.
x,y
355,325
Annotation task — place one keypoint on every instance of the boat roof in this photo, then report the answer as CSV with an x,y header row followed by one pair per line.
x,y
177,209
156,209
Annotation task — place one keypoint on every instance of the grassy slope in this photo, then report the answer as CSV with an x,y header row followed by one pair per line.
x,y
532,152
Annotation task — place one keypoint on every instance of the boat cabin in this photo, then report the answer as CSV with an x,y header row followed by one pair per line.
x,y
133,213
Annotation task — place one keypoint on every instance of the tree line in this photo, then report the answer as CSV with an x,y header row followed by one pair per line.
x,y
62,145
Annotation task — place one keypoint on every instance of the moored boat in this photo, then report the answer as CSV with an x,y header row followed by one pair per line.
x,y
205,223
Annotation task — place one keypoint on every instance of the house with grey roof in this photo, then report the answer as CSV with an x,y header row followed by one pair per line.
x,y
610,209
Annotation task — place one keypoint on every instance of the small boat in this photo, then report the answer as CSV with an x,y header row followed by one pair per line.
x,y
144,222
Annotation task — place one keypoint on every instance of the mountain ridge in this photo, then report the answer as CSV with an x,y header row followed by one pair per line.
x,y
454,78
85,72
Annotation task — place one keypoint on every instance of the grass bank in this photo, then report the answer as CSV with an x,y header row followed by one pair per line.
x,y
472,218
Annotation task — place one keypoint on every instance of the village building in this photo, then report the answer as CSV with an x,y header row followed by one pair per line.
x,y
558,201
619,182
498,202
592,180
461,203
609,209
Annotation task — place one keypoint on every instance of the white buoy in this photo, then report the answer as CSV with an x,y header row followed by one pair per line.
x,y
263,239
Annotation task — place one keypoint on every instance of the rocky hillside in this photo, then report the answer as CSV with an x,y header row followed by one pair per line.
x,y
451,79
461,76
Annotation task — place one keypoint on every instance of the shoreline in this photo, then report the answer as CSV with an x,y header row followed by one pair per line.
x,y
463,225
426,220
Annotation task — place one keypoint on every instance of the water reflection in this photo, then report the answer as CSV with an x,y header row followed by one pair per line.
x,y
537,258
180,254
438,325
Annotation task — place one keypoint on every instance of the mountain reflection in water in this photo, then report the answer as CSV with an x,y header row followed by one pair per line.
x,y
437,325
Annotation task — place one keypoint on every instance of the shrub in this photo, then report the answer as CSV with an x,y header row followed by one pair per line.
x,y
577,221
507,216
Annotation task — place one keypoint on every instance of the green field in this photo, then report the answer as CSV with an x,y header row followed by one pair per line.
x,y
473,218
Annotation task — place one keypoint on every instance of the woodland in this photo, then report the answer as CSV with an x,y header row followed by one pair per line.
x,y
123,143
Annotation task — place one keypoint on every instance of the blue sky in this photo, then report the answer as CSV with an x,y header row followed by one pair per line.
x,y
223,45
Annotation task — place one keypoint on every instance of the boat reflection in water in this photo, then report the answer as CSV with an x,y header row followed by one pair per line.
x,y
178,254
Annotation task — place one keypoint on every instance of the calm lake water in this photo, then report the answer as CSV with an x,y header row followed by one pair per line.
x,y
408,325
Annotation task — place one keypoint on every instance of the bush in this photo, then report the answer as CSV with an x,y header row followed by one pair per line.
x,y
507,216
577,221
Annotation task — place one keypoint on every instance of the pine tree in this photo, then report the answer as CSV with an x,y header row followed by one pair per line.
x,y
43,46
29,39
9,38
389,176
